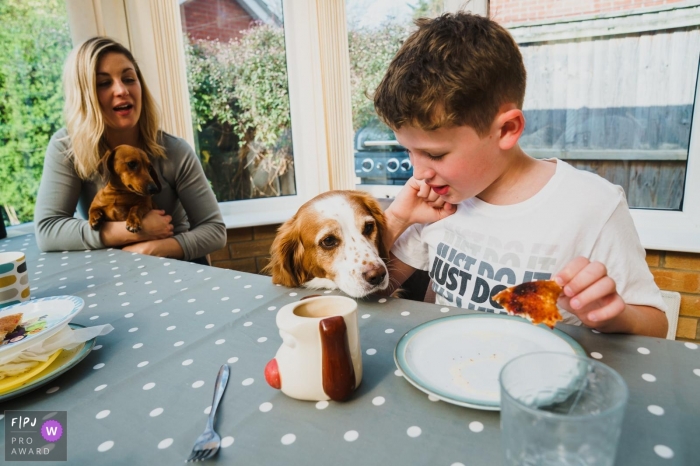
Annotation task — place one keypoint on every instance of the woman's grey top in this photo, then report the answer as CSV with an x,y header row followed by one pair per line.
x,y
186,196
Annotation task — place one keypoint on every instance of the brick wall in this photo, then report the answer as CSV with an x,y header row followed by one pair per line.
x,y
520,11
247,249
676,271
214,19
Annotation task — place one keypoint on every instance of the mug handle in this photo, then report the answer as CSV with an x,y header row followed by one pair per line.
x,y
338,372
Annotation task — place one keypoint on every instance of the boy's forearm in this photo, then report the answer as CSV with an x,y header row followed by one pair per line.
x,y
394,228
638,320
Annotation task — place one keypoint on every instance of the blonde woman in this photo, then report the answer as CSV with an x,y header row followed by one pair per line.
x,y
108,104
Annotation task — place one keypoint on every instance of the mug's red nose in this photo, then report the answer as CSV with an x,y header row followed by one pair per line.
x,y
272,374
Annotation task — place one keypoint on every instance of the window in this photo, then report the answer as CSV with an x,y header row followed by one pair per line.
x,y
594,99
35,40
611,90
376,30
237,76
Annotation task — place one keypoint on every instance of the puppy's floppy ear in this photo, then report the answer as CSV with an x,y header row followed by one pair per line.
x,y
154,175
287,252
375,210
107,165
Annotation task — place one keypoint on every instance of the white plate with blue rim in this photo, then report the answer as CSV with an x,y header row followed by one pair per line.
x,y
41,318
458,359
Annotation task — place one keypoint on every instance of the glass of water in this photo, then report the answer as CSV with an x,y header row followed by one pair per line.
x,y
560,409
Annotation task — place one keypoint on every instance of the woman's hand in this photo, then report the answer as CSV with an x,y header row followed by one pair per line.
x,y
156,224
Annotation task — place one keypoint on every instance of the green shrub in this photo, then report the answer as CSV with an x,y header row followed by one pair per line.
x,y
34,40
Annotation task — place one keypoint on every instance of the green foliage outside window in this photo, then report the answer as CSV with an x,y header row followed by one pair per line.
x,y
240,103
34,40
238,92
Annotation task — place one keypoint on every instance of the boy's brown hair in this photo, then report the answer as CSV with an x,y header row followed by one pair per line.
x,y
456,69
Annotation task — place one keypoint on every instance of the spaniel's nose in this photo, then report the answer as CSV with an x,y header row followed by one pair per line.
x,y
153,188
375,276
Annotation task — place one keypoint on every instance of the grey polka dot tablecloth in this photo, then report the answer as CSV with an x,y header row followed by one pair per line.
x,y
143,394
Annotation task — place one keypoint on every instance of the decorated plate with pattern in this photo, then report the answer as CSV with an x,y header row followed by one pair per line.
x,y
458,358
41,318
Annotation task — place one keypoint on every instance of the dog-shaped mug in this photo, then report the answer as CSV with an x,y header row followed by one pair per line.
x,y
320,356
131,181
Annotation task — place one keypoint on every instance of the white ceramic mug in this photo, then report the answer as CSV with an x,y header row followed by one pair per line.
x,y
320,357
14,280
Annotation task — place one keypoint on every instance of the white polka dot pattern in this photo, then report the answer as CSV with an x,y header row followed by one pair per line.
x,y
288,439
656,410
414,431
476,426
105,446
151,347
322,405
226,442
663,451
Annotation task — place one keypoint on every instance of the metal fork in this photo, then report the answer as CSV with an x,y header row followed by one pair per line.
x,y
209,442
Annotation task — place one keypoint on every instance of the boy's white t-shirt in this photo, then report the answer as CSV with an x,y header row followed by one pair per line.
x,y
484,248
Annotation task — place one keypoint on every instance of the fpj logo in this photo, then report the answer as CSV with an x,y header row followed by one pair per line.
x,y
36,435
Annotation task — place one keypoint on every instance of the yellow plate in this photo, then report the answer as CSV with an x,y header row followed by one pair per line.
x,y
10,383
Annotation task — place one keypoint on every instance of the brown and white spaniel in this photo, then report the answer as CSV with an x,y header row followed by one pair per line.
x,y
333,241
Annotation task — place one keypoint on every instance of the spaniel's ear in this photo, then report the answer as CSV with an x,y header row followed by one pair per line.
x,y
377,212
107,165
287,252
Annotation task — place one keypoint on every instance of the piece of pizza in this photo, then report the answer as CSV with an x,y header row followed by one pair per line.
x,y
9,323
536,301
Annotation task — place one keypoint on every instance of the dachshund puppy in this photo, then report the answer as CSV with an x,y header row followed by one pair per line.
x,y
131,181
333,241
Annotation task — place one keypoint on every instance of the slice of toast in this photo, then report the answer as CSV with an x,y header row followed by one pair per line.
x,y
536,301
9,323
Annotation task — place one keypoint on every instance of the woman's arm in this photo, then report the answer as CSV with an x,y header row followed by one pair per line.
x,y
59,191
155,226
207,230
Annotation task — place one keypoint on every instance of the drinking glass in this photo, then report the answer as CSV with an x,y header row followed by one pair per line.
x,y
560,409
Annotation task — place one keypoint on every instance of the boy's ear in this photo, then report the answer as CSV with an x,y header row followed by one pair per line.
x,y
510,122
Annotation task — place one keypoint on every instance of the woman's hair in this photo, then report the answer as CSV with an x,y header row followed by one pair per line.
x,y
456,69
82,111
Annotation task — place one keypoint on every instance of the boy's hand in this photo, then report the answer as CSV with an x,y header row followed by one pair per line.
x,y
415,203
418,203
589,293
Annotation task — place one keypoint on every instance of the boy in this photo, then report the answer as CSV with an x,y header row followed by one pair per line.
x,y
479,213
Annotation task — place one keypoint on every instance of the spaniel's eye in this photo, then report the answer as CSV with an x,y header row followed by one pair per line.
x,y
132,164
329,242
369,228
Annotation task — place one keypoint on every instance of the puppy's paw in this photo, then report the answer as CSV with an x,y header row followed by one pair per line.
x,y
96,219
133,225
